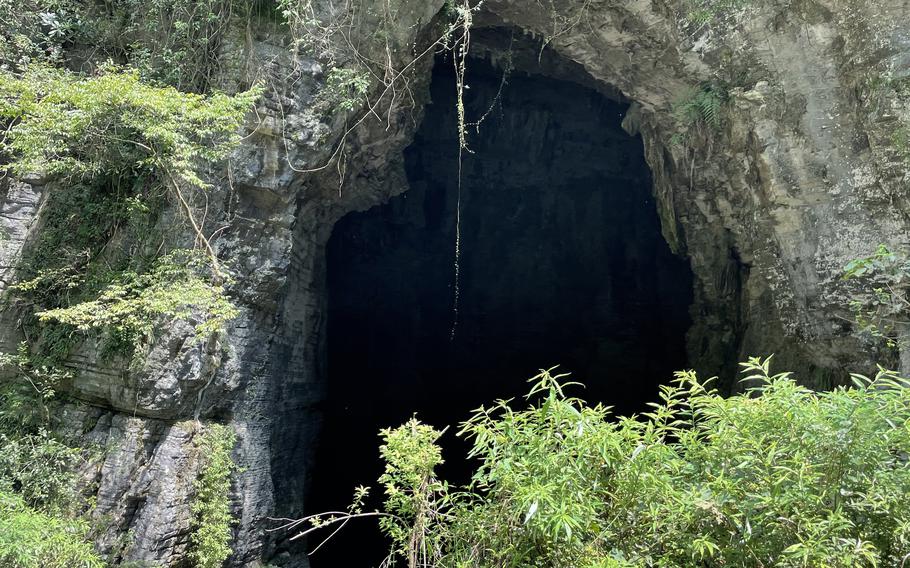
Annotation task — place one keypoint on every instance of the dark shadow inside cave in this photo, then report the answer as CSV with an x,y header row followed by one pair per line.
x,y
562,262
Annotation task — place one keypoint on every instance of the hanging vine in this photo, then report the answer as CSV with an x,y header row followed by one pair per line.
x,y
459,59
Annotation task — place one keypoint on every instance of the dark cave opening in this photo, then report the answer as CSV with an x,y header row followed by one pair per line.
x,y
562,263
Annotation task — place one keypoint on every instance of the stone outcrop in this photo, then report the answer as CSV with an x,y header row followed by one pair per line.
x,y
802,176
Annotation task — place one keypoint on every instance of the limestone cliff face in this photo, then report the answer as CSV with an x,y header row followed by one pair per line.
x,y
802,177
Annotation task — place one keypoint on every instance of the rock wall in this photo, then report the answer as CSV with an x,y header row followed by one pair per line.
x,y
769,208
802,176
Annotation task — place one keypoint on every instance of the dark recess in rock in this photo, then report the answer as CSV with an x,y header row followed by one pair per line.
x,y
562,262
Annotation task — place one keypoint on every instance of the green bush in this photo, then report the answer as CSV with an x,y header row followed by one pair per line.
x,y
41,509
25,394
119,146
211,509
66,124
345,89
35,31
178,287
41,468
31,539
778,476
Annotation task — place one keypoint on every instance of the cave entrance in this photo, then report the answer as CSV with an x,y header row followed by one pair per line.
x,y
562,262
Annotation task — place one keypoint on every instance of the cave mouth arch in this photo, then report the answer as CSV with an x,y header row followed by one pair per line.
x,y
562,263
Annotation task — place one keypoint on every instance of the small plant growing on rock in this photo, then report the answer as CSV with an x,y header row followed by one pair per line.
x,y
211,509
703,105
703,12
344,90
883,307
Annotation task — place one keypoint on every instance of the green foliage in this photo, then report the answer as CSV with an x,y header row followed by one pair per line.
x,y
310,33
881,308
66,264
40,469
112,123
77,222
325,31
39,500
122,145
33,462
173,42
344,90
212,519
703,105
702,12
112,147
882,260
779,476
35,31
31,539
178,287
176,42
27,392
413,494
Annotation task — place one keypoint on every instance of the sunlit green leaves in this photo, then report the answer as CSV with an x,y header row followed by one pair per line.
x,y
413,494
211,510
121,144
32,539
65,124
779,476
178,286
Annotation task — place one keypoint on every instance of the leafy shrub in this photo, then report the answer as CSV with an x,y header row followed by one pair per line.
x,y
779,476
177,42
35,464
40,505
34,31
413,495
212,519
65,266
62,123
40,469
122,145
345,89
880,308
178,286
26,393
31,539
